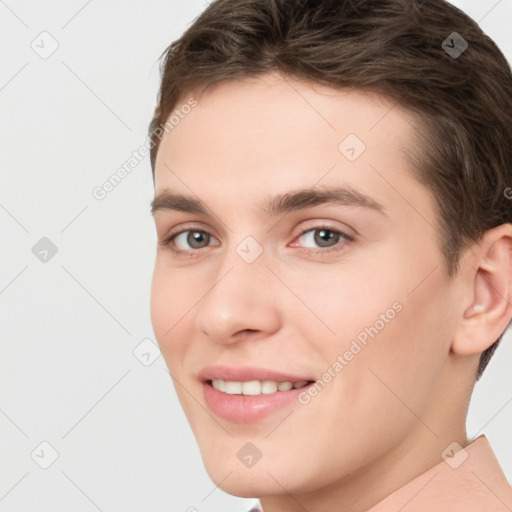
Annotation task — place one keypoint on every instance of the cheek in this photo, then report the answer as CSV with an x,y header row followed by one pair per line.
x,y
392,327
400,360
170,301
350,299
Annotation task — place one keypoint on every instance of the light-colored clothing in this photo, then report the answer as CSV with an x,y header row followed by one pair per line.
x,y
469,481
476,485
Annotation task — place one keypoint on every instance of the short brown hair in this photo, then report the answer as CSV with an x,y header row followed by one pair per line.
x,y
462,103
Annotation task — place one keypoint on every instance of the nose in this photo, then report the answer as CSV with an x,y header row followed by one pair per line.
x,y
241,299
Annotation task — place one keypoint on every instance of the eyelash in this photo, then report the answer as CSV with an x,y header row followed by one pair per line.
x,y
169,241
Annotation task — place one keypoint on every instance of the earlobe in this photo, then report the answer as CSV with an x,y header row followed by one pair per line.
x,y
489,293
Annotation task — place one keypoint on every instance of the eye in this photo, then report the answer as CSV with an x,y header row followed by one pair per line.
x,y
325,237
194,238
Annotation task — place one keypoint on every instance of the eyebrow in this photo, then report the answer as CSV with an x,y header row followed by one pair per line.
x,y
275,205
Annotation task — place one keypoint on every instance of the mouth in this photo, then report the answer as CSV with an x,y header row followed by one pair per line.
x,y
249,395
255,387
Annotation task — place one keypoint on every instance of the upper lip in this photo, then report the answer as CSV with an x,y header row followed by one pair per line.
x,y
247,373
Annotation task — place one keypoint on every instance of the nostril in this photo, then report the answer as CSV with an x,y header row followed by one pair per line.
x,y
244,331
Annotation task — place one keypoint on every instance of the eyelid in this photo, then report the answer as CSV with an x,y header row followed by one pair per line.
x,y
327,227
327,224
317,225
187,226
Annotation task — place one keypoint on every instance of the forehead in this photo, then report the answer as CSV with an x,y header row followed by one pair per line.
x,y
275,133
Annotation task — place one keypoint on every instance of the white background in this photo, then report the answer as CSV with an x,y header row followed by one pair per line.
x,y
68,375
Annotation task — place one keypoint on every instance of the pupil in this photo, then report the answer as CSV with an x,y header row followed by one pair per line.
x,y
324,236
195,237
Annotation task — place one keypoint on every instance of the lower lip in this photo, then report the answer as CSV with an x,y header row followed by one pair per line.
x,y
247,408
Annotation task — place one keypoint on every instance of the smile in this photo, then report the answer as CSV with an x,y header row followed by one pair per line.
x,y
255,387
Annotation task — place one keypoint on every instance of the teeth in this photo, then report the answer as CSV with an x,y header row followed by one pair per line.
x,y
268,386
219,384
255,387
233,388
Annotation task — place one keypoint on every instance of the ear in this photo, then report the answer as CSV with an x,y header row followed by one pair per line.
x,y
487,300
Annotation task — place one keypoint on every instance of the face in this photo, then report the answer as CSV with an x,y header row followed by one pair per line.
x,y
338,290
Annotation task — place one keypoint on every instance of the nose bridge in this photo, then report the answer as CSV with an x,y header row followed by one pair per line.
x,y
240,297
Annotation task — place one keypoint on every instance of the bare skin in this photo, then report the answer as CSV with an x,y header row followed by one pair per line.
x,y
402,399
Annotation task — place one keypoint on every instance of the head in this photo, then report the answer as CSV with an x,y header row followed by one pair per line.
x,y
266,98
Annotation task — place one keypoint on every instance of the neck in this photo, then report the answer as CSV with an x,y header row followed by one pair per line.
x,y
364,488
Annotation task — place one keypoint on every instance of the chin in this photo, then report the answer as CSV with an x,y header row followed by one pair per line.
x,y
244,483
263,479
